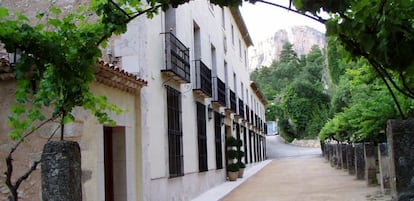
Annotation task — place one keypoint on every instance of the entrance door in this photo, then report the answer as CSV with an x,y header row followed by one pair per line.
x,y
115,164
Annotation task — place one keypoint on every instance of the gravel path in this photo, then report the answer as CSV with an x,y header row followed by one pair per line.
x,y
302,175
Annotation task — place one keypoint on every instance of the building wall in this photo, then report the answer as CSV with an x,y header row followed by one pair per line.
x,y
143,47
89,134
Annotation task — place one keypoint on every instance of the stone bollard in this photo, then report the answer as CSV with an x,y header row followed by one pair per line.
x,y
370,163
359,161
338,156
343,156
350,158
400,137
384,167
61,171
330,153
334,156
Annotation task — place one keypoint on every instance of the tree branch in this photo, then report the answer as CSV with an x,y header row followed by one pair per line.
x,y
130,18
29,133
316,18
119,8
377,67
404,82
9,162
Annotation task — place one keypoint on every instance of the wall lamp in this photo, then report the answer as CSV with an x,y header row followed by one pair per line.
x,y
222,119
234,125
209,112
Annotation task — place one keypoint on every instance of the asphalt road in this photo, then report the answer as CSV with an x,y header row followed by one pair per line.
x,y
277,149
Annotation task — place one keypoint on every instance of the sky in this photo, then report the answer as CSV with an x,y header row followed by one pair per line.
x,y
262,20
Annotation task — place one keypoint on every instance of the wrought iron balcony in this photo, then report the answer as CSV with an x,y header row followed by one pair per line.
x,y
177,57
252,117
233,103
248,114
202,79
219,92
256,120
241,108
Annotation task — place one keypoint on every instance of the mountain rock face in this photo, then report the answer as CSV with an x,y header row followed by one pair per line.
x,y
268,50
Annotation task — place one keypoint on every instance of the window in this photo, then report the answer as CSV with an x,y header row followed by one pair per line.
x,y
240,52
218,143
175,133
202,137
223,21
245,143
232,35
245,59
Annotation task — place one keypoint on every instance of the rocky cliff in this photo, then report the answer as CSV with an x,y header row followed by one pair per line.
x,y
302,38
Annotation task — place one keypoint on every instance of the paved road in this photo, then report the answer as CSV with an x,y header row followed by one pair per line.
x,y
277,149
301,174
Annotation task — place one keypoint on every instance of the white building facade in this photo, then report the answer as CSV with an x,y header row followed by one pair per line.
x,y
195,60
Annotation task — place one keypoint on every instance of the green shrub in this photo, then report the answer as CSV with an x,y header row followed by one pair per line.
x,y
241,165
231,141
232,154
234,167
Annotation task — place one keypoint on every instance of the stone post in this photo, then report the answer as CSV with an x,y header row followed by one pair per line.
x,y
350,156
343,156
331,154
400,137
359,161
370,156
384,167
61,171
338,156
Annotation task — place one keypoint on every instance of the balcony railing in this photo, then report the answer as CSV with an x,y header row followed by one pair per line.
x,y
202,79
232,101
247,113
219,91
241,108
256,121
252,117
177,59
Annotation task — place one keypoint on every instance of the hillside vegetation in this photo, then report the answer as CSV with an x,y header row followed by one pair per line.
x,y
328,96
296,92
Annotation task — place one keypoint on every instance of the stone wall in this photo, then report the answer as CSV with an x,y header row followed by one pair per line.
x,y
307,143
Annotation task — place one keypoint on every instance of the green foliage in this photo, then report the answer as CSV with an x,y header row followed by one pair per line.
x,y
241,165
232,154
231,141
59,54
380,31
361,106
233,167
299,101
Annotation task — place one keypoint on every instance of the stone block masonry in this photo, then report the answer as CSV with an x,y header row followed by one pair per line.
x,y
344,156
400,137
384,167
61,171
350,156
371,158
359,161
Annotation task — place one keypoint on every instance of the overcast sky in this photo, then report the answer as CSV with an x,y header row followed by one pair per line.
x,y
262,20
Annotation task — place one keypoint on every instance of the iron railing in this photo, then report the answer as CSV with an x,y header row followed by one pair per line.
x,y
177,58
202,78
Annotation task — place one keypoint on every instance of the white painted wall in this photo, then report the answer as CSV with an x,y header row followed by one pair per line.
x,y
143,49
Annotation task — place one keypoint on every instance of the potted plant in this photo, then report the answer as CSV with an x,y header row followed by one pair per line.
x,y
231,141
233,171
241,169
232,154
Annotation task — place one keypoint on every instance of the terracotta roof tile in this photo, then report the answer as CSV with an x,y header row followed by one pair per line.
x,y
114,76
106,73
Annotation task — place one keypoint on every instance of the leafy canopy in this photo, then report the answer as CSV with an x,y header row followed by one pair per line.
x,y
59,53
